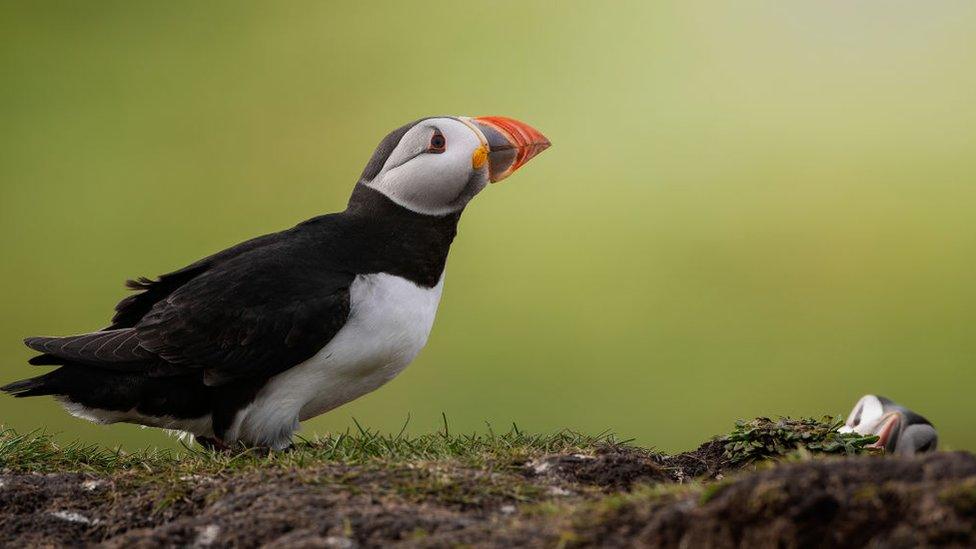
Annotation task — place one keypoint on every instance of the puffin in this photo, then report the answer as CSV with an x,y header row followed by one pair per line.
x,y
900,431
238,348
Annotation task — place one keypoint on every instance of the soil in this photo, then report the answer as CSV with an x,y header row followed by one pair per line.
x,y
614,496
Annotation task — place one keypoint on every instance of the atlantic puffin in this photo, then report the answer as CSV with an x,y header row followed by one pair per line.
x,y
239,347
900,431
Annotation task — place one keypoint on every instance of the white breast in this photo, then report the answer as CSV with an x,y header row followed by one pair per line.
x,y
389,321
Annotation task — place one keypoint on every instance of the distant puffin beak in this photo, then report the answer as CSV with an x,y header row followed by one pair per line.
x,y
888,430
510,144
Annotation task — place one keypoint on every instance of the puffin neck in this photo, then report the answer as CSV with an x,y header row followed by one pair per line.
x,y
370,202
398,241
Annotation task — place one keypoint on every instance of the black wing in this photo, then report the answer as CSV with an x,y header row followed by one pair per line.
x,y
253,310
130,310
258,314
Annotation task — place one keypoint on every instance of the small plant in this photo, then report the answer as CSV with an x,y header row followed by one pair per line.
x,y
763,438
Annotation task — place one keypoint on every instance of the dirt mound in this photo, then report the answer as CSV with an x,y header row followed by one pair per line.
x,y
329,505
620,467
766,483
288,511
609,467
708,461
837,502
852,502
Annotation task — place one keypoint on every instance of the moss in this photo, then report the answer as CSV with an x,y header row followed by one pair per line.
x,y
763,439
713,490
547,508
868,493
961,497
767,495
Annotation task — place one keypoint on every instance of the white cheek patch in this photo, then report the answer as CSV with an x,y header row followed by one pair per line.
x,y
404,153
431,179
870,415
433,183
865,415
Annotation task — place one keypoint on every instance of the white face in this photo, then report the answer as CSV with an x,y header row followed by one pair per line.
x,y
865,416
438,166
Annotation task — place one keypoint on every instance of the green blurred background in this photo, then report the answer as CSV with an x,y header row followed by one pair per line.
x,y
749,208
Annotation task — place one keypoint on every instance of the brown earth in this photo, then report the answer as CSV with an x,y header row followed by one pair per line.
x,y
614,496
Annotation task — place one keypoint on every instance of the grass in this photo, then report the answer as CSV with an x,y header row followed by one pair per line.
x,y
748,442
38,451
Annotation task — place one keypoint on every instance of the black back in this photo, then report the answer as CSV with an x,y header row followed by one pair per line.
x,y
205,338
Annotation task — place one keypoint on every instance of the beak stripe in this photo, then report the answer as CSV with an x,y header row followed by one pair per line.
x,y
527,140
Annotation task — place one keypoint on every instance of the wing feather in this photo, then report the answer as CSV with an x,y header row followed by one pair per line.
x,y
258,317
253,310
88,348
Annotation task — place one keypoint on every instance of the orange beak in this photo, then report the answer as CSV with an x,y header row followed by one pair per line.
x,y
888,430
510,144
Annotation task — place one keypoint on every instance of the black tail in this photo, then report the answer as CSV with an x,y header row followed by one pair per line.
x,y
35,386
177,396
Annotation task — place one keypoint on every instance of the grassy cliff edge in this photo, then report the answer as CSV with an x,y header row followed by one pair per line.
x,y
796,482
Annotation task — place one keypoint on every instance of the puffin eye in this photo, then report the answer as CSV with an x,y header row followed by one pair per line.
x,y
437,142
